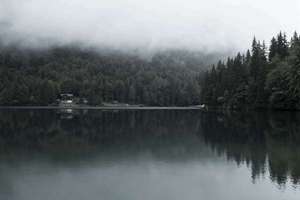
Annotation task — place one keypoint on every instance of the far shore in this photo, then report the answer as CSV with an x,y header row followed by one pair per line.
x,y
105,107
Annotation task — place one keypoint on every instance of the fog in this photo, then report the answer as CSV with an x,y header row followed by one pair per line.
x,y
141,24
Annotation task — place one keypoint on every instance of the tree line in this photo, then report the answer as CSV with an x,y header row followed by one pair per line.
x,y
261,78
38,77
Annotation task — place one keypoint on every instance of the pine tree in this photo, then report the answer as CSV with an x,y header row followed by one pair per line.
x,y
295,40
282,45
273,49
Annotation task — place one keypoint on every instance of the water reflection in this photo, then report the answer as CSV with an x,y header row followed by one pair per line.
x,y
268,144
114,132
262,141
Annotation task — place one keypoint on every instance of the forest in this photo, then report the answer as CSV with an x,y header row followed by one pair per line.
x,y
262,78
37,77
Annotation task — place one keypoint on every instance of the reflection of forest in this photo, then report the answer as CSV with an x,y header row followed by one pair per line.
x,y
265,142
161,133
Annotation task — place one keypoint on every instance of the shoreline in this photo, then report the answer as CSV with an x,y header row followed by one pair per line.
x,y
102,107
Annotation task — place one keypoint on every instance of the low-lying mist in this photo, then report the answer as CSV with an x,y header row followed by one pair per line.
x,y
144,26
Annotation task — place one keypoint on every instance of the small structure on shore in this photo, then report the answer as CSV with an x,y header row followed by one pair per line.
x,y
114,104
66,100
202,107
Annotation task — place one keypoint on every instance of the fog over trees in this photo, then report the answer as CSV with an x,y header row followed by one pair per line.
x,y
38,77
263,77
149,52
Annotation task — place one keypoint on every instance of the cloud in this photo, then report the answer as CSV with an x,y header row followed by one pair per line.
x,y
143,24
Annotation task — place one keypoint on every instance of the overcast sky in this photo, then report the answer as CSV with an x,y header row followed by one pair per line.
x,y
196,24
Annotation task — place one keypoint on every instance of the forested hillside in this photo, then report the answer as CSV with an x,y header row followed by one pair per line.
x,y
261,78
37,77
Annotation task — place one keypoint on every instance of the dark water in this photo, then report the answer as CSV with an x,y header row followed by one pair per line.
x,y
161,155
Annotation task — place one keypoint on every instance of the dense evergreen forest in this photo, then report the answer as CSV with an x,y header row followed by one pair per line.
x,y
261,78
38,77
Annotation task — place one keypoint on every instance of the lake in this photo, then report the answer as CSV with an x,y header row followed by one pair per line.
x,y
148,154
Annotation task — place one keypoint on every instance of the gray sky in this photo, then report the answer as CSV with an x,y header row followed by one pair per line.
x,y
151,24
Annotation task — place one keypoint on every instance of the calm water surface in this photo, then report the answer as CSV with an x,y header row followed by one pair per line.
x,y
161,155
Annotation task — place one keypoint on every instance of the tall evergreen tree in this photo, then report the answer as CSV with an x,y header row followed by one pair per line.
x,y
282,48
273,49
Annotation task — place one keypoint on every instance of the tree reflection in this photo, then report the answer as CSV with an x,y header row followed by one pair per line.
x,y
262,141
268,143
106,132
